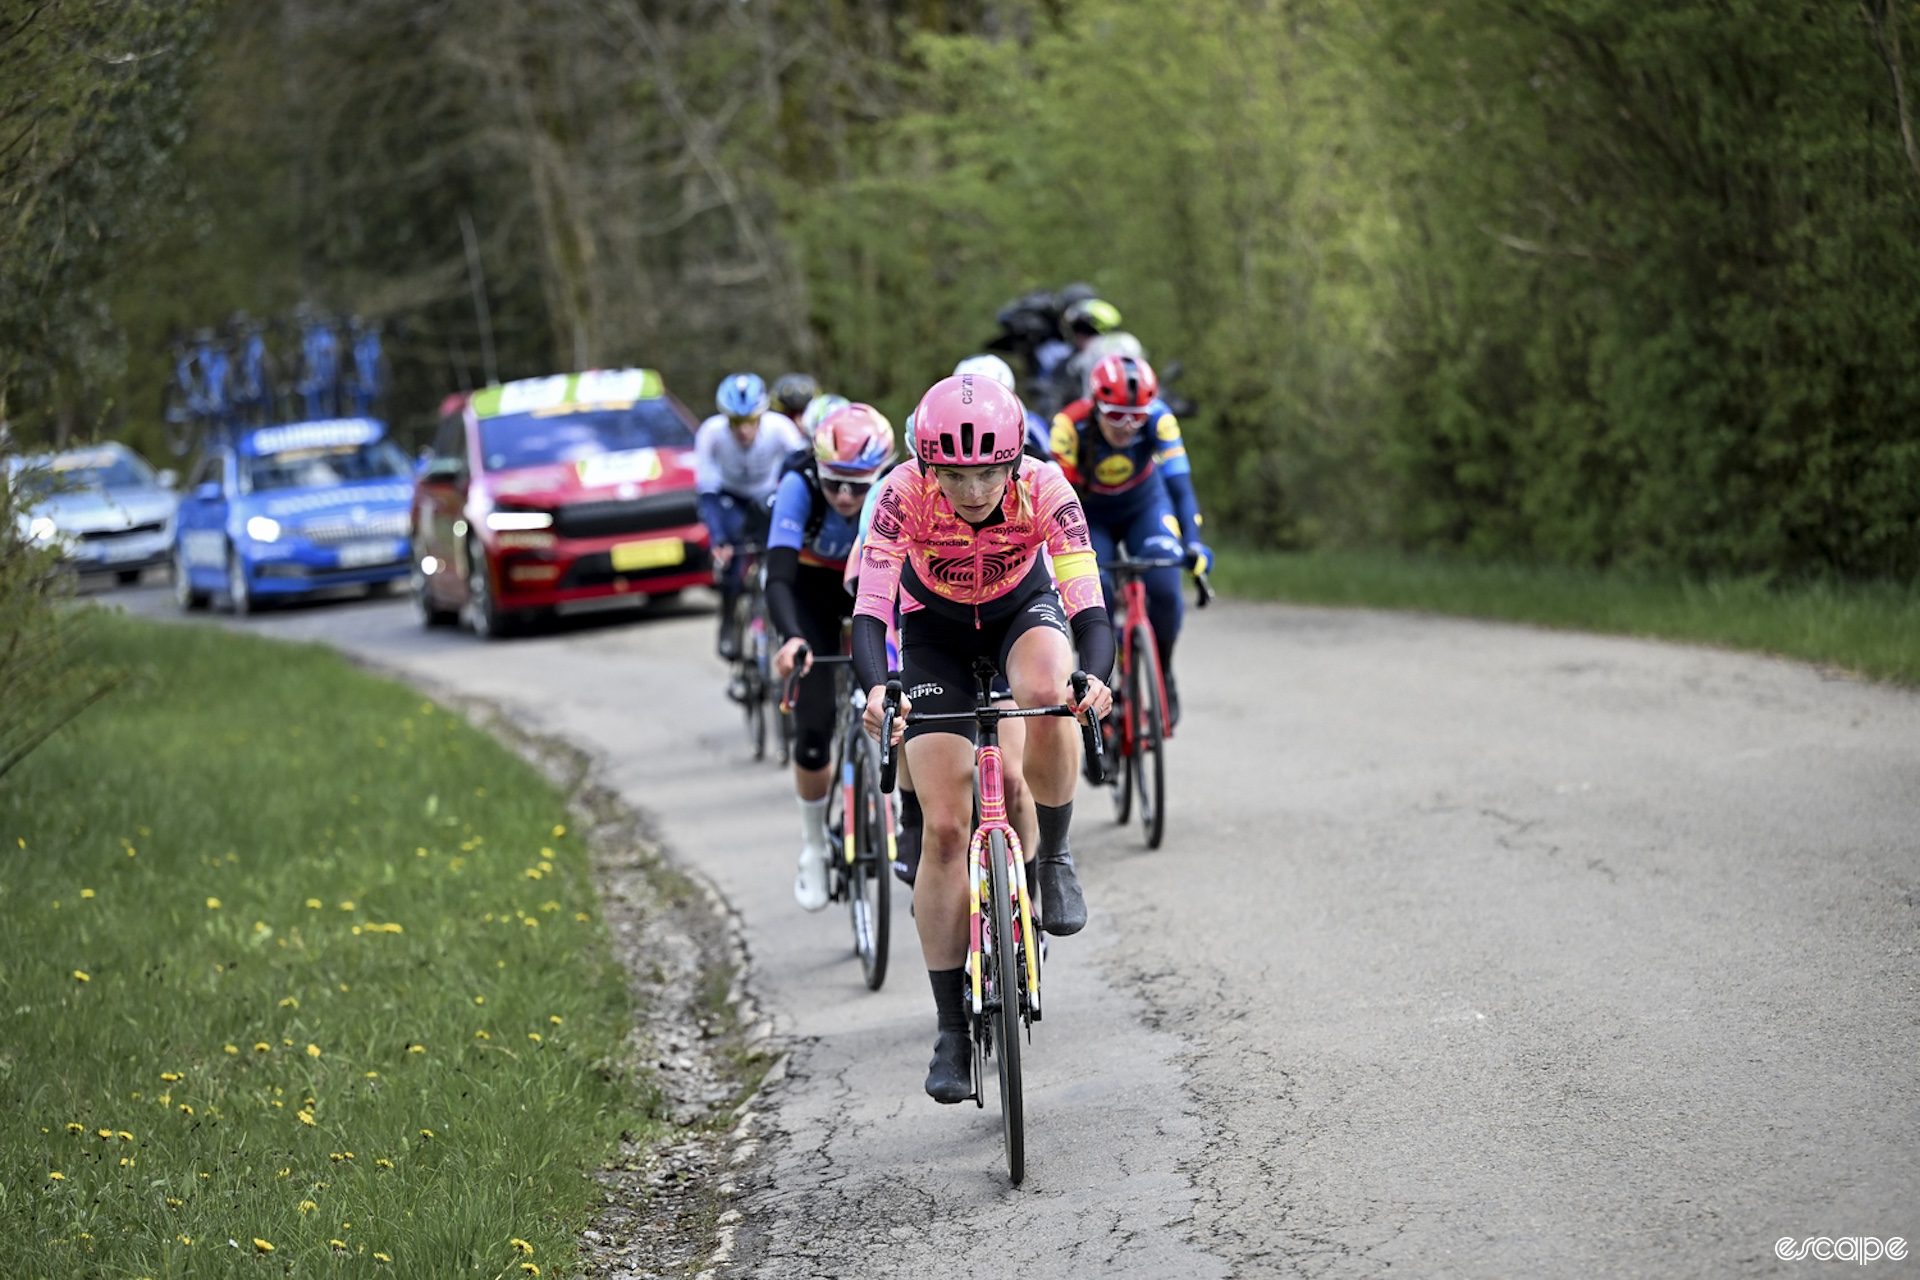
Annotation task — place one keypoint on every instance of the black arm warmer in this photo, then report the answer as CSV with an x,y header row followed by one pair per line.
x,y
1093,640
783,570
870,650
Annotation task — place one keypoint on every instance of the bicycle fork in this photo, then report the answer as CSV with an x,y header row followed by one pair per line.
x,y
993,817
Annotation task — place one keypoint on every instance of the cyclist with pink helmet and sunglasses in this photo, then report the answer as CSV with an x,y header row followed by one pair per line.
x,y
956,541
816,510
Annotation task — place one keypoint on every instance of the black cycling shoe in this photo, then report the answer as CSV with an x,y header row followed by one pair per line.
x,y
1063,908
950,1074
1173,701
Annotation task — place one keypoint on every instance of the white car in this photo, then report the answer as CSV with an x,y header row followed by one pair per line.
x,y
103,506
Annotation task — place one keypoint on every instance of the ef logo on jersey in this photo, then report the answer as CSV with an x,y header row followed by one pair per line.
x,y
1116,469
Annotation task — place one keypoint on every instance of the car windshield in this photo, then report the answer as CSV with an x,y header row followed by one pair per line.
x,y
323,468
534,440
105,469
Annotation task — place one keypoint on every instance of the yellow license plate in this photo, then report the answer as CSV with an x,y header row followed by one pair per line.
x,y
651,554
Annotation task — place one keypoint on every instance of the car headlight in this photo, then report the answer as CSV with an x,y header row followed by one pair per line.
x,y
43,530
263,529
502,521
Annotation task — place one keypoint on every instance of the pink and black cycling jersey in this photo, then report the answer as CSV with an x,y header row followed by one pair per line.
x,y
920,552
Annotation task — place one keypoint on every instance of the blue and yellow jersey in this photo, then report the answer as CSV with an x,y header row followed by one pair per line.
x,y
1101,471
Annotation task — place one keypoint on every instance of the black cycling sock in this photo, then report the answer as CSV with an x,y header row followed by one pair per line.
x,y
1054,821
950,997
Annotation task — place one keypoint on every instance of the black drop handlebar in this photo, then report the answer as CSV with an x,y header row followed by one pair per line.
x,y
1090,735
790,691
1202,589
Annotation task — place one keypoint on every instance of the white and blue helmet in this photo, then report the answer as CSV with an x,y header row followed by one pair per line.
x,y
742,395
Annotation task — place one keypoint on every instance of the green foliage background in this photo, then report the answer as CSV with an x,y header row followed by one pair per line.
x,y
1578,282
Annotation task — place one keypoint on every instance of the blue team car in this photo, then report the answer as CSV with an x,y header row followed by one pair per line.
x,y
280,512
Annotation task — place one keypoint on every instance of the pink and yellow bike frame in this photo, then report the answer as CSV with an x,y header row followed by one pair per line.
x,y
989,771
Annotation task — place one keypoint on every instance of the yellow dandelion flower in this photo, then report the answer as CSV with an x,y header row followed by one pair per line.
x,y
86,893
173,1203
479,999
263,1047
549,906
381,1257
306,1118
307,1206
289,1003
356,931
284,1172
76,1128
184,1107
170,1076
533,873
535,1037
213,904
530,1268
165,1099
582,917
426,1133
104,1133
481,1035
78,976
347,905
313,904
416,1048
559,831
383,1163
260,926
186,1240
286,1042
555,1019
125,1162
546,866
341,1245
531,923
230,1048
124,1136
262,1245
313,1051
56,1176
521,1246
373,1075
419,853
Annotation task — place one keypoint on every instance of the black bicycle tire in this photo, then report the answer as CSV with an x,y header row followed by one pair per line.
x,y
1007,974
1151,741
1120,777
870,874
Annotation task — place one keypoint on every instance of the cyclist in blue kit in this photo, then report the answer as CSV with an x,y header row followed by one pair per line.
x,y
816,511
1121,449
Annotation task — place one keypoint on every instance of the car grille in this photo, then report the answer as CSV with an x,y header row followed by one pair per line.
x,y
338,529
103,535
597,570
638,515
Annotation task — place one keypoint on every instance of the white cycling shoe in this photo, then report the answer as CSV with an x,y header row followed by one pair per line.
x,y
810,881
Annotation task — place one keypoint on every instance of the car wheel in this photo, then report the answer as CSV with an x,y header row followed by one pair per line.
x,y
425,607
239,597
485,617
128,577
183,593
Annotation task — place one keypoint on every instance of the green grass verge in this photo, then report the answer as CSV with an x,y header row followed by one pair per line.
x,y
1870,629
290,957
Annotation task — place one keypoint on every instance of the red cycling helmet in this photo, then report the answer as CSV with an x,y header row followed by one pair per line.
x,y
968,420
854,443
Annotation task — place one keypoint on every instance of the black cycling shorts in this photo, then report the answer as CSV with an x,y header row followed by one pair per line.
x,y
824,607
937,653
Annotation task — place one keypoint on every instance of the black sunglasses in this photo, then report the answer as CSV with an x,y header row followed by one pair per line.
x,y
854,488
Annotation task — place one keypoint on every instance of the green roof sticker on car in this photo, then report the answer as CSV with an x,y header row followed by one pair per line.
x,y
594,388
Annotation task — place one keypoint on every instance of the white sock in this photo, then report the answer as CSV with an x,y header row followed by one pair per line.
x,y
813,826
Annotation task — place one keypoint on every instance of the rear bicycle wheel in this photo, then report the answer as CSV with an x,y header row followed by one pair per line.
x,y
1149,767
869,878
1004,1008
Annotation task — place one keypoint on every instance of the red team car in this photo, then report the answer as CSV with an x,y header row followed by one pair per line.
x,y
556,494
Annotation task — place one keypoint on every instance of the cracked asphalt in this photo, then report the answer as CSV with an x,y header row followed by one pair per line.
x,y
1473,950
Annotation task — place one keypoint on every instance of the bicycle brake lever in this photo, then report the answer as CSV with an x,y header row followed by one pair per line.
x,y
1203,590
889,762
1090,734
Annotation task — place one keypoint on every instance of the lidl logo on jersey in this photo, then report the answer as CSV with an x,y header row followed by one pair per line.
x,y
1114,470
1168,430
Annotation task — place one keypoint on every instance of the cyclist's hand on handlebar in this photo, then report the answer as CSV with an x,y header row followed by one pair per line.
x,y
1199,557
723,555
787,655
1099,698
875,716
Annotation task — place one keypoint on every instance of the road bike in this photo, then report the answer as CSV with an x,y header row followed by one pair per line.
x,y
863,817
1138,726
1003,948
751,681
195,398
367,375
317,383
251,381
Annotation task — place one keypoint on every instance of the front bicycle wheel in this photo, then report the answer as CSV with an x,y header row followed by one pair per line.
x,y
1148,746
1120,758
1004,1007
869,878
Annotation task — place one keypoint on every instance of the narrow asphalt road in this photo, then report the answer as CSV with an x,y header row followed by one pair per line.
x,y
1473,950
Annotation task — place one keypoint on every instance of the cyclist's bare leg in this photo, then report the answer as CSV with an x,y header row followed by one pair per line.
x,y
1013,749
1040,667
811,784
943,771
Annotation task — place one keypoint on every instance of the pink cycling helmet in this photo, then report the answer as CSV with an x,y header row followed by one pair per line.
x,y
854,442
968,420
